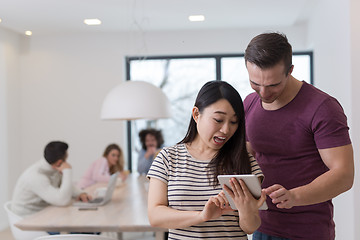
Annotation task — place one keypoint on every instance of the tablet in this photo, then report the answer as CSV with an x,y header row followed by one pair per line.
x,y
251,181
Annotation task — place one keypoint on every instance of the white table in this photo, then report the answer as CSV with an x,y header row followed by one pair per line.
x,y
127,212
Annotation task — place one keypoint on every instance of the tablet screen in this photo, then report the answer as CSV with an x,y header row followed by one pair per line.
x,y
251,181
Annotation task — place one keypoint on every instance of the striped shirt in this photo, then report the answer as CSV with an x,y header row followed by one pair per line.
x,y
189,189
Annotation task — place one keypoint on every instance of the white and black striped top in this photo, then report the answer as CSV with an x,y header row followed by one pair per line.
x,y
189,189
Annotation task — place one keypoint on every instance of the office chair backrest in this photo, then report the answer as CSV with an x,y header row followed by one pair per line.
x,y
16,232
74,237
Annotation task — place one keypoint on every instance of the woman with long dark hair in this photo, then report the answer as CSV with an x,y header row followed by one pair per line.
x,y
184,193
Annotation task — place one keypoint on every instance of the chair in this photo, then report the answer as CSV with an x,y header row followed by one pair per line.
x,y
73,237
16,232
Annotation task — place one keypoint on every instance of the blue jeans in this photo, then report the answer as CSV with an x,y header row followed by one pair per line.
x,y
262,236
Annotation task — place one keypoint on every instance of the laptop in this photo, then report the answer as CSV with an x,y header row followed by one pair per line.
x,y
99,201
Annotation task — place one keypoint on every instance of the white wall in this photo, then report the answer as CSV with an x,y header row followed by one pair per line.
x,y
355,99
9,111
336,72
64,81
3,135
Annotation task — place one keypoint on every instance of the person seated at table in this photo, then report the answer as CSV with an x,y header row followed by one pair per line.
x,y
184,193
151,142
100,170
46,182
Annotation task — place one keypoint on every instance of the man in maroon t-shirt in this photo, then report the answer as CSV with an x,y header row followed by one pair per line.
x,y
299,136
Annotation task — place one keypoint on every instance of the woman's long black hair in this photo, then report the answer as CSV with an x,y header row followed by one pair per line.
x,y
233,157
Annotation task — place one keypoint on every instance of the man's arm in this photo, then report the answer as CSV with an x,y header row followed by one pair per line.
x,y
338,179
58,196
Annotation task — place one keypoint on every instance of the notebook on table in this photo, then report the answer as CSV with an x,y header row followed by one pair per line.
x,y
99,201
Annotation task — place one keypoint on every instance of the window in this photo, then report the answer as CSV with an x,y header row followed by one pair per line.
x,y
181,77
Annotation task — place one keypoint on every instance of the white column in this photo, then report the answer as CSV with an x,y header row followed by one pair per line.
x,y
355,99
3,136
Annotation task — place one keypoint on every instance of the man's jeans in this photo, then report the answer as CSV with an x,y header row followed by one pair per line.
x,y
262,236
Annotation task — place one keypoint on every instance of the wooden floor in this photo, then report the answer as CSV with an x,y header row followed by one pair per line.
x,y
6,235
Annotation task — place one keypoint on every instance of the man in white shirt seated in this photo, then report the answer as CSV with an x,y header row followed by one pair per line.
x,y
46,182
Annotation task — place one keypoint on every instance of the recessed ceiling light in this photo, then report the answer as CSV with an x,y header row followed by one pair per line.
x,y
197,18
0,20
28,33
93,21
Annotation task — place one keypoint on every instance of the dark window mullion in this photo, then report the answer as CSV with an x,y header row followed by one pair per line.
x,y
218,68
128,123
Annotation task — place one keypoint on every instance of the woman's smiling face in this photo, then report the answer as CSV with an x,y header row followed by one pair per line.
x,y
216,124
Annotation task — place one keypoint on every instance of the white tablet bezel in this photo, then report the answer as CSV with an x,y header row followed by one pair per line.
x,y
251,181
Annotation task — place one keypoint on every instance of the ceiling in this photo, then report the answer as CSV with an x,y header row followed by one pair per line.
x,y
66,16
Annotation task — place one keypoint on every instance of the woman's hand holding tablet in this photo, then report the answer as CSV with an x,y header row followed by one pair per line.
x,y
252,182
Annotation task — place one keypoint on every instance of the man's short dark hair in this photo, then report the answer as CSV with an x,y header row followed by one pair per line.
x,y
268,49
54,151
